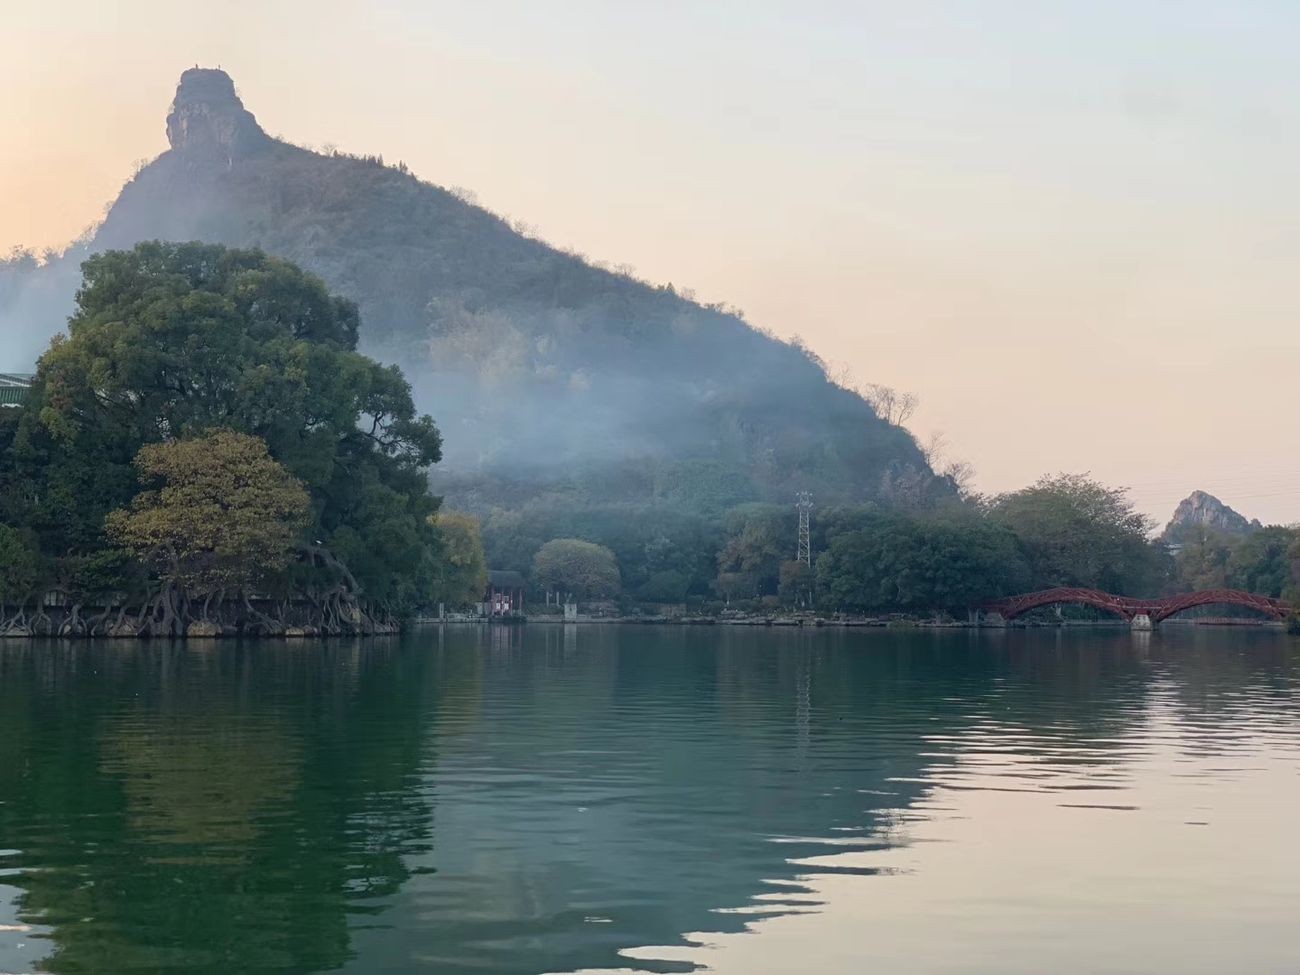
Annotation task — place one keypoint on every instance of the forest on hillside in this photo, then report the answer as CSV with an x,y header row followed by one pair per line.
x,y
207,453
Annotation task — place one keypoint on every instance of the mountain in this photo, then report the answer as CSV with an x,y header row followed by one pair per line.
x,y
546,373
1204,511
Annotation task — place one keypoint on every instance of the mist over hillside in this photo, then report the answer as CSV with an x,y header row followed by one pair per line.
x,y
547,374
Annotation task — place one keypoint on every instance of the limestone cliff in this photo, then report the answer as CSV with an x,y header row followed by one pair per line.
x,y
208,119
1200,510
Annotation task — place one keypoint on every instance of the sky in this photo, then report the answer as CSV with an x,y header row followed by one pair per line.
x,y
1071,228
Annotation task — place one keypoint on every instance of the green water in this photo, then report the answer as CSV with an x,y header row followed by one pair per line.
x,y
549,799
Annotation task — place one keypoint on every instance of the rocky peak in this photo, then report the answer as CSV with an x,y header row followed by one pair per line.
x,y
207,118
1202,510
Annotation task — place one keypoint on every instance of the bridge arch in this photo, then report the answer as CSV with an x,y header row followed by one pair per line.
x,y
1272,608
1126,607
1015,606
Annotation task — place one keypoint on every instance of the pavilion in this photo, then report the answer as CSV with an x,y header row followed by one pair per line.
x,y
505,593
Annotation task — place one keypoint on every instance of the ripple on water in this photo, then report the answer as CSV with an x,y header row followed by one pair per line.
x,y
599,799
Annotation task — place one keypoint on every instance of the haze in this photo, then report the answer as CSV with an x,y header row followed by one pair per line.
x,y
1070,228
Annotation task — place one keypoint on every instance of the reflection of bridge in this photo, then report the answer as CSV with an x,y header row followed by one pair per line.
x,y
1141,613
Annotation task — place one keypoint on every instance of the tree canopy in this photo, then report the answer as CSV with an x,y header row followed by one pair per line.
x,y
461,575
1075,531
895,563
760,537
1266,561
576,568
171,341
222,517
20,575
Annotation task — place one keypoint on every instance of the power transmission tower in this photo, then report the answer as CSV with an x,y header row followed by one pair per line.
x,y
804,503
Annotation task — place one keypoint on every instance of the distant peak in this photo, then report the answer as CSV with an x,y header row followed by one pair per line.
x,y
207,117
1203,510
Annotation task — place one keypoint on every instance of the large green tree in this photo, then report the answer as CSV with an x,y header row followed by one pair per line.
x,y
1075,531
887,562
576,568
169,341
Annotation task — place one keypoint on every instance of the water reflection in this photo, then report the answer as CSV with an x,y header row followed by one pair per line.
x,y
209,809
573,799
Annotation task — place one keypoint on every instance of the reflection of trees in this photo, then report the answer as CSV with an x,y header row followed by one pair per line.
x,y
222,810
193,781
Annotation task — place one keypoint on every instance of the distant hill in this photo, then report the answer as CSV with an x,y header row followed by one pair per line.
x,y
1200,511
546,373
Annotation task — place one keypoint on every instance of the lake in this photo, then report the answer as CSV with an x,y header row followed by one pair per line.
x,y
547,799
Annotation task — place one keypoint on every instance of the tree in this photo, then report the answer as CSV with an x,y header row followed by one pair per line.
x,y
1202,559
1292,592
735,585
577,568
1262,562
1077,532
960,473
915,487
221,517
646,539
759,538
20,577
890,563
461,573
665,586
891,405
169,341
796,581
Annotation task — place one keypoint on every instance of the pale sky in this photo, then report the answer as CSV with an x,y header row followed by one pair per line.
x,y
1073,229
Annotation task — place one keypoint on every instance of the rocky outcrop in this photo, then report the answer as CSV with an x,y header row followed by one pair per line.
x,y
208,120
1204,511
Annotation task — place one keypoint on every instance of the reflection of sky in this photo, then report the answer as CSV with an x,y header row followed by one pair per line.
x,y
22,944
1185,865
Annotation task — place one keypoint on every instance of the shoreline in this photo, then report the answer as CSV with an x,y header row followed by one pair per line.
x,y
822,623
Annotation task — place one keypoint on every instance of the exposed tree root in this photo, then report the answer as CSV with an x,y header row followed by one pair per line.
x,y
331,605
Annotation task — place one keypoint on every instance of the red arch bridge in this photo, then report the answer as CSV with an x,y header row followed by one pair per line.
x,y
1139,612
